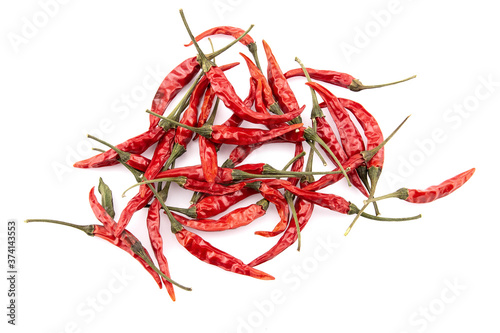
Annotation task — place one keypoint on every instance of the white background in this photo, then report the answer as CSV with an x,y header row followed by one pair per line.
x,y
87,67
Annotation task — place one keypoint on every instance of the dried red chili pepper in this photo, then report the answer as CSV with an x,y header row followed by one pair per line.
x,y
153,225
225,91
275,196
431,193
232,220
136,161
339,79
177,79
135,204
279,84
135,145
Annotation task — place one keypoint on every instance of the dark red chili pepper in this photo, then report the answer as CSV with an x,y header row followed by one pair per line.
x,y
204,251
339,79
177,79
266,90
431,193
215,204
153,225
234,219
206,106
208,156
135,145
279,84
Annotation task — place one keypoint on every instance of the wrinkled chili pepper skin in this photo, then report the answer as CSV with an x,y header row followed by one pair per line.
x,y
103,233
204,251
298,165
241,152
135,145
351,139
279,84
136,203
177,79
275,196
234,219
208,157
225,30
304,211
247,136
372,130
100,213
153,225
160,156
257,76
138,162
438,191
206,106
211,188
336,78
216,204
225,91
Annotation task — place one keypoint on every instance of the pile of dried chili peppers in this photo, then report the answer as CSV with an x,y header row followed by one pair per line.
x,y
217,187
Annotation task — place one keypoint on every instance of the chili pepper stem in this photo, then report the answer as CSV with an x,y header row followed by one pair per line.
x,y
355,219
316,109
355,210
289,200
88,229
252,47
314,137
374,174
402,194
124,156
316,151
356,85
203,131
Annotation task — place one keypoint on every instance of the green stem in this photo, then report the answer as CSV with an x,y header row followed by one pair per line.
x,y
144,182
203,131
356,85
295,158
124,156
316,110
88,229
316,151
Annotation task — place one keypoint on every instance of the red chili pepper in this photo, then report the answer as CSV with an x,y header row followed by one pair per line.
x,y
204,251
234,219
153,225
431,193
304,211
160,156
135,145
206,106
266,90
136,161
208,156
279,84
281,204
136,203
177,79
336,78
214,204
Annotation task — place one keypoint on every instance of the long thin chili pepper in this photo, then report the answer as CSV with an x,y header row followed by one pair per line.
x,y
206,252
225,91
431,193
236,135
339,79
232,220
177,79
208,152
279,84
136,161
275,196
135,145
153,225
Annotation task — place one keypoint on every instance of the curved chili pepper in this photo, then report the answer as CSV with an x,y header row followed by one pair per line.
x,y
206,252
279,84
153,225
136,203
339,79
177,79
275,196
431,193
304,211
234,219
135,145
266,90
